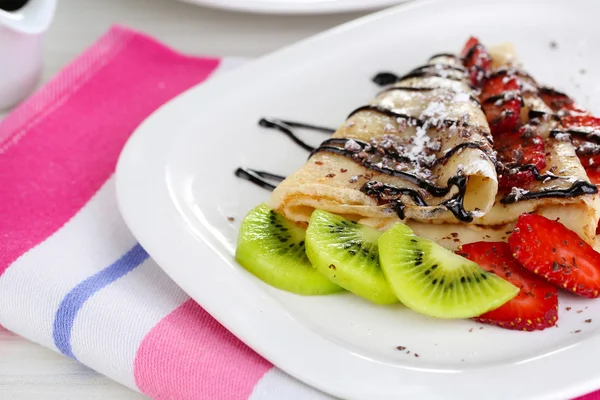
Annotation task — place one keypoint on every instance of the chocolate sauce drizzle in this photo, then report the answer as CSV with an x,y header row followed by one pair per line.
x,y
495,98
511,71
385,193
382,192
260,178
387,78
430,72
578,188
416,121
533,114
286,127
337,146
374,189
591,136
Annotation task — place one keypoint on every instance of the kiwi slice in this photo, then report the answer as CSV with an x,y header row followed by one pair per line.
x,y
272,248
346,252
434,281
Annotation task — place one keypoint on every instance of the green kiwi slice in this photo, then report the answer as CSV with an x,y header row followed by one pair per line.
x,y
272,248
346,252
434,281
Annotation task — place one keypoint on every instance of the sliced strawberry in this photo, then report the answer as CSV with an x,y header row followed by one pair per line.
x,y
558,101
583,123
556,253
587,151
518,153
501,100
589,160
593,174
477,60
498,84
536,305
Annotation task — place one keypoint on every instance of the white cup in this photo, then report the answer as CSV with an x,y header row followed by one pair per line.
x,y
22,49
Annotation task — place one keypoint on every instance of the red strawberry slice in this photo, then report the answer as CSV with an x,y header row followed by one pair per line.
x,y
536,305
594,174
582,123
477,60
499,83
587,151
516,150
589,160
558,101
501,101
556,253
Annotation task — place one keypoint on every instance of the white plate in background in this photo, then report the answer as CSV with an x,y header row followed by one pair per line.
x,y
176,188
297,6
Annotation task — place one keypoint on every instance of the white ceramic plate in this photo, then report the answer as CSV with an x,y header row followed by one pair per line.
x,y
297,6
176,188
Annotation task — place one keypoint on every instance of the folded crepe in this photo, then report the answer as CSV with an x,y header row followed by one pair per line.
x,y
422,152
566,193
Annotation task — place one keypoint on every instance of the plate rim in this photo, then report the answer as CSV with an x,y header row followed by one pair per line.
x,y
296,7
128,171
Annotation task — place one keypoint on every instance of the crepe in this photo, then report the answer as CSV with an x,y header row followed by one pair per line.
x,y
443,103
579,212
425,138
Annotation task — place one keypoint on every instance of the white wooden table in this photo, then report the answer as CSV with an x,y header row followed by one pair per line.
x,y
28,371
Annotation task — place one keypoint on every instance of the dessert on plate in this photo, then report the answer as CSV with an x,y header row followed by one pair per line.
x,y
464,189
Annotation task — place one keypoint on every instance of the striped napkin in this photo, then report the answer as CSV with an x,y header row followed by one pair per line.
x,y
72,277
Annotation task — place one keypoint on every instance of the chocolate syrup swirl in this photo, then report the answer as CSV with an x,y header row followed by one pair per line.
x,y
534,114
591,136
418,122
579,188
428,73
337,146
551,91
286,127
440,67
384,193
510,71
260,178
502,98
535,172
385,78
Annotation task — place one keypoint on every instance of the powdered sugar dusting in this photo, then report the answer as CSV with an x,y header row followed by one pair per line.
x,y
518,193
461,97
562,137
353,146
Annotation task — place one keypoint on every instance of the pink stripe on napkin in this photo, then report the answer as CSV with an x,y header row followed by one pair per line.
x,y
60,146
590,396
188,355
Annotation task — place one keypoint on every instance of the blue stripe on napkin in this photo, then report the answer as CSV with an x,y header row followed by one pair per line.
x,y
76,298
